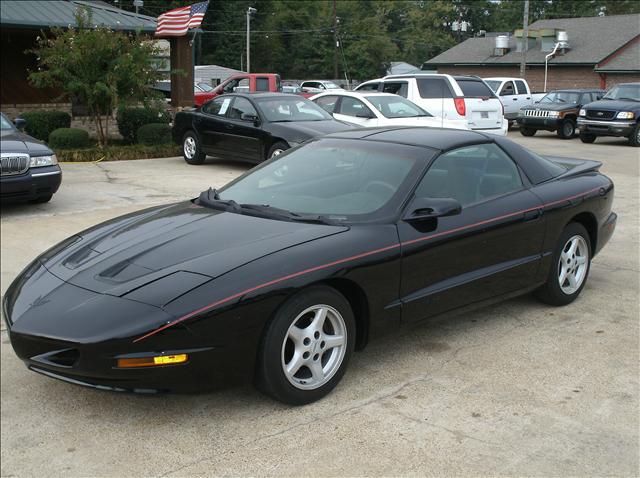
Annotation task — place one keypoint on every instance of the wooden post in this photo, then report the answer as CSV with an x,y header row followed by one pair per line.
x,y
181,84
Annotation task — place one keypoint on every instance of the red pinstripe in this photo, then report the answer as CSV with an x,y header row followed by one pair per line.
x,y
352,258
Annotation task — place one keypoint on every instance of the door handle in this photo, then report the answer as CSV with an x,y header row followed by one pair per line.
x,y
229,126
528,97
515,99
532,215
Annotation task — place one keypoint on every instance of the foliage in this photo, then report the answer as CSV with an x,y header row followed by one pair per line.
x,y
154,133
67,138
41,123
119,152
101,67
130,119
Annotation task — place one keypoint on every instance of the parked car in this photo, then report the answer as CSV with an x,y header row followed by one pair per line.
x,y
379,109
29,170
616,114
449,97
202,92
318,86
556,111
250,127
514,93
282,273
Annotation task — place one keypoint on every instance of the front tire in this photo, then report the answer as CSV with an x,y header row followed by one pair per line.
x,y
306,348
570,266
587,138
277,149
634,139
526,131
567,129
192,149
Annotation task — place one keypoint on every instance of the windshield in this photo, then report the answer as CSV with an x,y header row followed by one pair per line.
x,y
331,86
623,92
284,109
561,97
493,84
5,124
337,178
396,107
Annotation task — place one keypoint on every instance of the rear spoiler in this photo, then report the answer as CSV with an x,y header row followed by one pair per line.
x,y
575,166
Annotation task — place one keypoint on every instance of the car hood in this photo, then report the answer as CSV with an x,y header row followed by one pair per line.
x,y
190,243
18,142
613,105
301,131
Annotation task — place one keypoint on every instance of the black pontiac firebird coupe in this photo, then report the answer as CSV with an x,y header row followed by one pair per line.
x,y
286,270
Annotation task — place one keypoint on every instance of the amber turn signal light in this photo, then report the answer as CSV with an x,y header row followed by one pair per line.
x,y
152,361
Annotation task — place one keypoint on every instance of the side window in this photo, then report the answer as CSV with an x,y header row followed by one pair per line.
x,y
522,88
217,106
508,89
262,84
433,88
471,174
230,87
354,107
327,103
369,87
240,107
397,88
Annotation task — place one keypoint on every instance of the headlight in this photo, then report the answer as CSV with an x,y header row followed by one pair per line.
x,y
625,115
583,112
554,114
39,161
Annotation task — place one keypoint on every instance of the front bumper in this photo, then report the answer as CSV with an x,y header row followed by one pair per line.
x,y
550,124
606,128
33,184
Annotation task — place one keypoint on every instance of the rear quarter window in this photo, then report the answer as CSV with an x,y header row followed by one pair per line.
x,y
475,89
262,84
433,88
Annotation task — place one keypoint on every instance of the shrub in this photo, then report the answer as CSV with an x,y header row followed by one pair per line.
x,y
154,133
119,152
131,119
69,138
40,123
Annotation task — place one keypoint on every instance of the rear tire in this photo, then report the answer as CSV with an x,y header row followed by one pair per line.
x,y
526,131
307,346
567,129
570,266
192,149
634,139
277,149
587,138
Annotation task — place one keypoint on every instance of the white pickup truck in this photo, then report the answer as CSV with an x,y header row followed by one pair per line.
x,y
514,94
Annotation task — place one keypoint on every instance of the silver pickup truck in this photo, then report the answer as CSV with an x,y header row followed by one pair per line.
x,y
514,93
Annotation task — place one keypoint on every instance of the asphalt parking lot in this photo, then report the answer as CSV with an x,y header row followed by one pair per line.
x,y
519,388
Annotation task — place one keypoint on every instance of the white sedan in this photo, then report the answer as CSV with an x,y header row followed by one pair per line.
x,y
380,109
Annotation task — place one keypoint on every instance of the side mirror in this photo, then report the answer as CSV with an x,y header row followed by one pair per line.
x,y
20,123
430,208
250,118
365,115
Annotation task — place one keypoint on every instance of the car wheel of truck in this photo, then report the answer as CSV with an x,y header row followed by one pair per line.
x,y
191,149
525,131
587,137
567,129
634,139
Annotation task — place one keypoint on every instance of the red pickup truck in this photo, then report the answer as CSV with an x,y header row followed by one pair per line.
x,y
242,83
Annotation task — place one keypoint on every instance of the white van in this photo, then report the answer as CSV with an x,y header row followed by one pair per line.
x,y
450,98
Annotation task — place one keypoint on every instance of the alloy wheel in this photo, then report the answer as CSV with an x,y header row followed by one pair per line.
x,y
189,147
573,264
314,347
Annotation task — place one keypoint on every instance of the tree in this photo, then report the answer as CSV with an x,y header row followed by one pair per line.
x,y
100,67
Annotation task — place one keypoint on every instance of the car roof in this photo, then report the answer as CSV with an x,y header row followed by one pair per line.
x,y
432,138
256,95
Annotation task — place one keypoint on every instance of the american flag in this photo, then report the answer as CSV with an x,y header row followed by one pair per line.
x,y
177,22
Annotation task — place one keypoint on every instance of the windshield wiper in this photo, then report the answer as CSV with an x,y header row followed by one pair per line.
x,y
211,198
268,210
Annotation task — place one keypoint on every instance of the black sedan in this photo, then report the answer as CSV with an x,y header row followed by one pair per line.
x,y
29,170
286,270
250,127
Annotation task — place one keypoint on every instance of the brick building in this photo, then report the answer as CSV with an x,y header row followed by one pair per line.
x,y
602,51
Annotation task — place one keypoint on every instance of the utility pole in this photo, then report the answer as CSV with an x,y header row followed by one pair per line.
x,y
335,42
525,39
250,11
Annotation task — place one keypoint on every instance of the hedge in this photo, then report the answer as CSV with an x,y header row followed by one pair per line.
x,y
41,123
67,138
130,119
119,153
154,133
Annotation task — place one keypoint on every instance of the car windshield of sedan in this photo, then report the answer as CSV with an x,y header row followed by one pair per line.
x,y
561,97
396,107
5,124
280,110
623,92
335,178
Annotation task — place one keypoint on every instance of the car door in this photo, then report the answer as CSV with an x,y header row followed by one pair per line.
x,y
244,136
435,96
491,248
352,110
509,99
210,124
